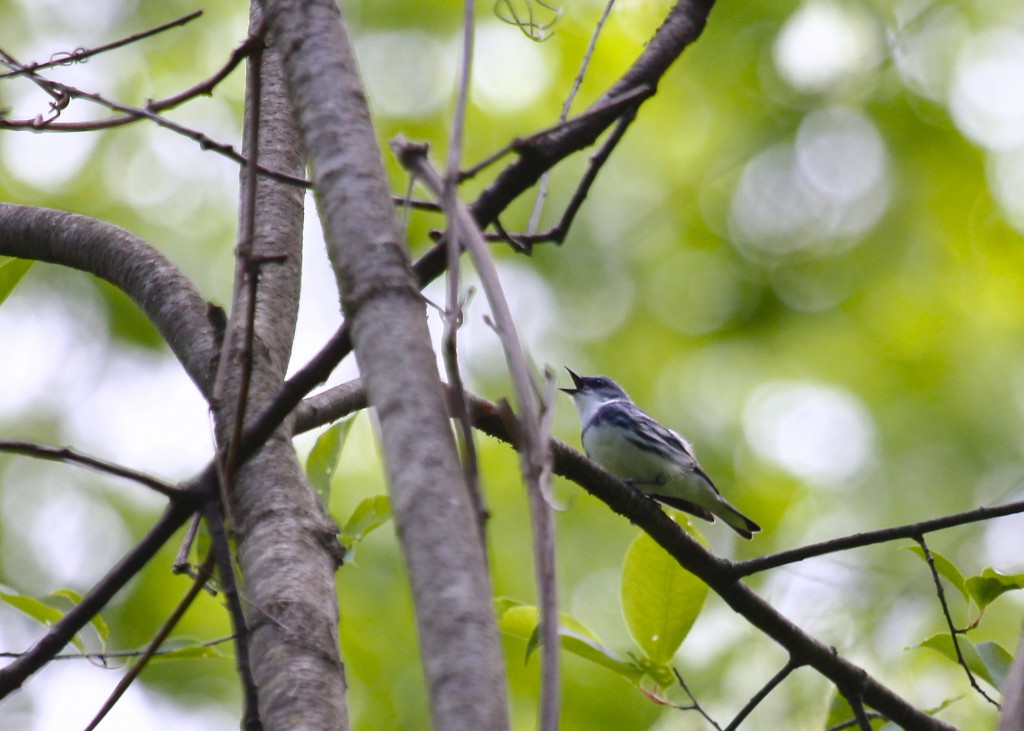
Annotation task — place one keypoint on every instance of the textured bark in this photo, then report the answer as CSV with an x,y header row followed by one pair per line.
x,y
284,539
435,523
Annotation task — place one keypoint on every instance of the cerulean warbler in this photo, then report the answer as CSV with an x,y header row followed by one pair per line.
x,y
634,447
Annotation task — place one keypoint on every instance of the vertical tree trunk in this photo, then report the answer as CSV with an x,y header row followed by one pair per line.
x,y
443,552
283,535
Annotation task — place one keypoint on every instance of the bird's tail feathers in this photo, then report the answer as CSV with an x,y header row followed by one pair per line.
x,y
736,520
686,506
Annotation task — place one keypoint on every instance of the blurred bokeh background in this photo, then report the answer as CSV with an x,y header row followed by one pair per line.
x,y
806,256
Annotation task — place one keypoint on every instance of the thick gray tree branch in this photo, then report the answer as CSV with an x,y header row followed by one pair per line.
x,y
286,544
167,296
435,522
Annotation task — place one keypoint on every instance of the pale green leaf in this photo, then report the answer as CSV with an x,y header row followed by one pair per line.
x,y
660,599
521,621
39,611
11,272
370,514
986,588
997,659
97,621
990,664
323,458
944,566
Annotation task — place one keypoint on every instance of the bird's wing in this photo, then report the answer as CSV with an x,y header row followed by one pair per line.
x,y
649,435
686,506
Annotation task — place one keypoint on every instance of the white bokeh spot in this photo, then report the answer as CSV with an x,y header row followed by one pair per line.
x,y
825,42
818,433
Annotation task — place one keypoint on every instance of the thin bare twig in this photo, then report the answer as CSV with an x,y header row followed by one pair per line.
x,y
632,97
202,576
103,657
869,715
14,675
221,551
531,28
694,704
940,592
79,55
203,88
870,538
453,313
64,454
768,687
542,192
246,279
65,92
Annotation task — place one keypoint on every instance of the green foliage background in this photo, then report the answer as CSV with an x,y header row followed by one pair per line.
x,y
883,335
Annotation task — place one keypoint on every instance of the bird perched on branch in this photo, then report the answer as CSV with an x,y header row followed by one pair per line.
x,y
630,444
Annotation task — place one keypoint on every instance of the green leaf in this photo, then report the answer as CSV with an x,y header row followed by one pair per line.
x,y
660,599
323,458
944,566
97,622
987,660
997,659
521,621
986,588
370,514
11,272
37,610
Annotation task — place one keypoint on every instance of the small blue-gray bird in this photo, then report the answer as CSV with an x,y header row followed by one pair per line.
x,y
634,447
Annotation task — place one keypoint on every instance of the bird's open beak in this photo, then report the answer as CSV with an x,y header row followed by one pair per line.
x,y
576,380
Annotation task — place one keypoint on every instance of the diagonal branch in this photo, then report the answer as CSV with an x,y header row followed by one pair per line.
x,y
718,573
64,454
61,633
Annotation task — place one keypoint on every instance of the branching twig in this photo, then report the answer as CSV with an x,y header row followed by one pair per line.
x,y
870,538
14,675
103,657
204,573
542,192
67,92
453,312
64,454
534,144
940,592
860,715
80,55
694,705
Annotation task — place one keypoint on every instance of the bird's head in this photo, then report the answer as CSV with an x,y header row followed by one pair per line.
x,y
591,392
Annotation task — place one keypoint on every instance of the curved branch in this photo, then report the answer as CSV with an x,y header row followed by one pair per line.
x,y
165,294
